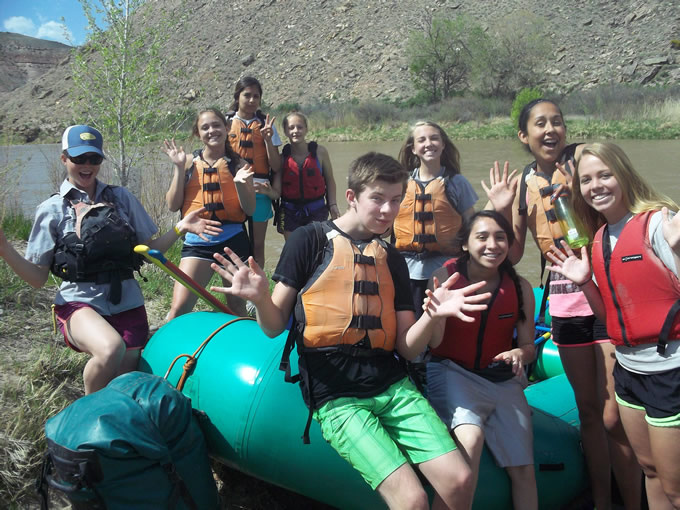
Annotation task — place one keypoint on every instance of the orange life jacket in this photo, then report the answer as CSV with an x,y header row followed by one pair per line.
x,y
349,297
213,188
247,142
427,221
541,218
534,201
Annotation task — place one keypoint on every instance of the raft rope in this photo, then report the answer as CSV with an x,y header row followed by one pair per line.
x,y
192,359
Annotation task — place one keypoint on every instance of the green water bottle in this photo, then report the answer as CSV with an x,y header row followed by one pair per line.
x,y
572,228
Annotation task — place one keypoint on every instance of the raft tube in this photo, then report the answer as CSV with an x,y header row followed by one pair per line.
x,y
253,420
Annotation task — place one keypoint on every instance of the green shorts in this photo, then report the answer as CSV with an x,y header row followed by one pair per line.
x,y
378,434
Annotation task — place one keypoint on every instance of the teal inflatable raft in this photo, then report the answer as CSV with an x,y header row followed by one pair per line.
x,y
253,419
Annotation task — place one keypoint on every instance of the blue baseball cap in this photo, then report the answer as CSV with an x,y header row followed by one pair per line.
x,y
81,139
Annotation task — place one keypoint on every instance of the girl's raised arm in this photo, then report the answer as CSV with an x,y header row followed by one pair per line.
x,y
175,194
31,273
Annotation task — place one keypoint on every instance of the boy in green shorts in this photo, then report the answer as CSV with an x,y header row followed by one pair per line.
x,y
353,308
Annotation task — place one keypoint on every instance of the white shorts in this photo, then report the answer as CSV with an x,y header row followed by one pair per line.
x,y
500,409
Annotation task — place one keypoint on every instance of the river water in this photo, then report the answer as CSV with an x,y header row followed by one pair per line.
x,y
35,168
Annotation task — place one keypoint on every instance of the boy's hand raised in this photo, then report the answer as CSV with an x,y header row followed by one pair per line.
x,y
247,281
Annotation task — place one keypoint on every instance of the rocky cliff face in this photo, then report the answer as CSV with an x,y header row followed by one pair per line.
x,y
23,59
304,51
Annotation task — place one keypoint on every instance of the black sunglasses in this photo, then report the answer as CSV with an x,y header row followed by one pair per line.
x,y
83,159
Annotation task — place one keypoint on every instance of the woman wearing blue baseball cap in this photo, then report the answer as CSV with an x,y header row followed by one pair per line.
x,y
85,235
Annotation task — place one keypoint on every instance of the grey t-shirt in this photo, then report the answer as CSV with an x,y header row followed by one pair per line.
x,y
55,217
644,359
462,196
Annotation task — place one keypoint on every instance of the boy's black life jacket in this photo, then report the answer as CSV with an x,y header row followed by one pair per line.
x,y
100,250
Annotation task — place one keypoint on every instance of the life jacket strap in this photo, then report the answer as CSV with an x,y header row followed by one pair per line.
x,y
365,322
666,328
550,214
364,259
211,186
214,206
366,288
423,216
424,238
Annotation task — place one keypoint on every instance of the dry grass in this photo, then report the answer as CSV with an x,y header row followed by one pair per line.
x,y
36,390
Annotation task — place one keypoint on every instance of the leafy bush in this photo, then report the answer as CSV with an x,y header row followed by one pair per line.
x,y
511,55
524,97
440,55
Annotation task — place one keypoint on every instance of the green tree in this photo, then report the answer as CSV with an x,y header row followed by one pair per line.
x,y
117,75
440,55
523,97
512,55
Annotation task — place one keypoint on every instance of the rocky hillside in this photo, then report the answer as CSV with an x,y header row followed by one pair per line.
x,y
304,51
24,59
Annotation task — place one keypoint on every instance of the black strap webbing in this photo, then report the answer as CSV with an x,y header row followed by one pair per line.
x,y
666,328
366,288
364,259
365,322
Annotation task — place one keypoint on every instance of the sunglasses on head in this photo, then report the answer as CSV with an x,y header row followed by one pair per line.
x,y
83,159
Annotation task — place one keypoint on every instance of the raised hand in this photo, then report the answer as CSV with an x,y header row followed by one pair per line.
x,y
502,187
671,229
569,265
247,281
566,169
444,301
244,175
176,155
193,222
268,130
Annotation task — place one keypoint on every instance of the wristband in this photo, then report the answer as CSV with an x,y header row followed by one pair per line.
x,y
585,283
179,234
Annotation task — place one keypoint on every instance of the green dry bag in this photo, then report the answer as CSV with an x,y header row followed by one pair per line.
x,y
134,444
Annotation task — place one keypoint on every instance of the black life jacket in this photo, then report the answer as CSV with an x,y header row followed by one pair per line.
x,y
100,250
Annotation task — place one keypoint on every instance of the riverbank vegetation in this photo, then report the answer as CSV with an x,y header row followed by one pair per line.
x,y
608,111
612,111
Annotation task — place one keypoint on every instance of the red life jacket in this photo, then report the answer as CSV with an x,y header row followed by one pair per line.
x,y
641,295
473,345
302,185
